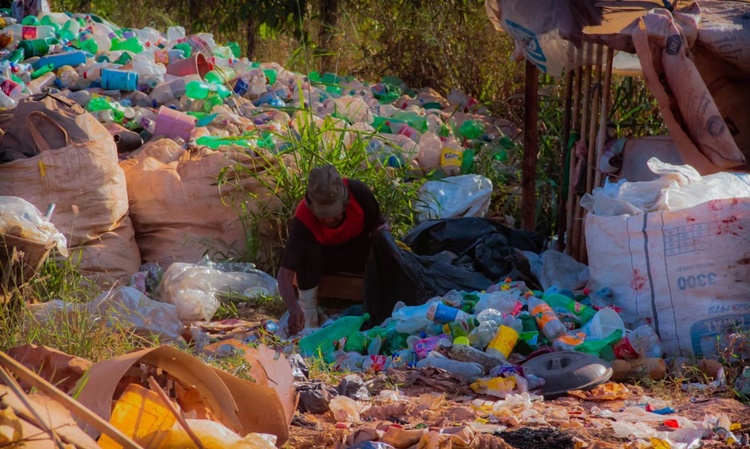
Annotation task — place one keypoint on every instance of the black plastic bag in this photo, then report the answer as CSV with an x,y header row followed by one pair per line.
x,y
395,274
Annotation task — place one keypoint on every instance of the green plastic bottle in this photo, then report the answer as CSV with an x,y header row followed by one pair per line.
x,y
601,348
198,90
270,76
185,48
102,104
471,129
558,301
131,44
215,142
321,342
235,47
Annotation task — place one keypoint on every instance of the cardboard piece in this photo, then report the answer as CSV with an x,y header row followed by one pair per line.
x,y
271,369
56,417
60,369
235,402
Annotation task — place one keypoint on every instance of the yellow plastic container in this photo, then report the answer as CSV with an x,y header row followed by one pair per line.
x,y
141,415
504,341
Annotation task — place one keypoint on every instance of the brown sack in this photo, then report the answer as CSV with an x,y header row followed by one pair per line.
x,y
691,115
179,211
76,169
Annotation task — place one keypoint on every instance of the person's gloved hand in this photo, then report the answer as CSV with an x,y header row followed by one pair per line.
x,y
296,320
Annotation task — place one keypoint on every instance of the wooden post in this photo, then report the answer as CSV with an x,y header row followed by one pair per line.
x,y
591,158
571,205
603,116
575,238
530,147
561,203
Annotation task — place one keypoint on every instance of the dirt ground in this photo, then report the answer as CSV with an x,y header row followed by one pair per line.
x,y
567,422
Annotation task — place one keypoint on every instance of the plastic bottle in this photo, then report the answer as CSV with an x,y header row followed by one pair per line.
x,y
42,82
442,313
37,47
198,90
468,353
466,370
654,368
322,340
6,101
68,77
546,318
25,32
430,149
642,342
424,346
481,336
172,90
11,88
411,319
471,129
132,44
560,301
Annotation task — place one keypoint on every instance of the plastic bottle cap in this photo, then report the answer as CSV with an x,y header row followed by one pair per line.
x,y
461,341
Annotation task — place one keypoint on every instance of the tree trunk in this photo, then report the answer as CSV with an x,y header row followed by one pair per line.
x,y
328,19
194,9
252,33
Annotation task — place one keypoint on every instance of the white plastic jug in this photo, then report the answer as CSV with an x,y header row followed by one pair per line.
x,y
605,322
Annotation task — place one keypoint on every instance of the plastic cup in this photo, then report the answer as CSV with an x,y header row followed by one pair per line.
x,y
174,124
119,80
194,65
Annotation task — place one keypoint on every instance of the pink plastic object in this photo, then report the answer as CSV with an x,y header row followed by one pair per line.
x,y
174,124
194,65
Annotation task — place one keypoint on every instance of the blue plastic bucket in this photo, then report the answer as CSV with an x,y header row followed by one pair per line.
x,y
119,80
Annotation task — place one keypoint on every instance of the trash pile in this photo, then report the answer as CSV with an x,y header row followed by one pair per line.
x,y
146,122
143,84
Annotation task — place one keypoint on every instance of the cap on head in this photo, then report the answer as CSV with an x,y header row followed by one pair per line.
x,y
326,193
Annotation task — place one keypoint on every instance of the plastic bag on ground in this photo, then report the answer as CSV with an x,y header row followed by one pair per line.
x,y
127,307
559,269
22,219
345,409
458,196
193,288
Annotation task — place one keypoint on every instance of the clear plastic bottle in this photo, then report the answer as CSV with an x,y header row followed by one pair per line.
x,y
172,90
490,315
641,342
24,32
68,77
6,101
546,318
411,319
466,370
482,335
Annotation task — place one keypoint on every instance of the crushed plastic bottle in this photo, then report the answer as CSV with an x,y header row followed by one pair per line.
x,y
641,342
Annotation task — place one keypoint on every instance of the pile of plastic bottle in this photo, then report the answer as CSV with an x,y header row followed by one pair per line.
x,y
483,336
191,89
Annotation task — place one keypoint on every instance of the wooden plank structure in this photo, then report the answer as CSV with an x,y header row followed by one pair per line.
x,y
587,107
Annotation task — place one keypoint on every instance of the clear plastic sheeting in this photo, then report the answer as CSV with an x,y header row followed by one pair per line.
x,y
678,187
123,308
458,196
193,288
129,308
22,219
